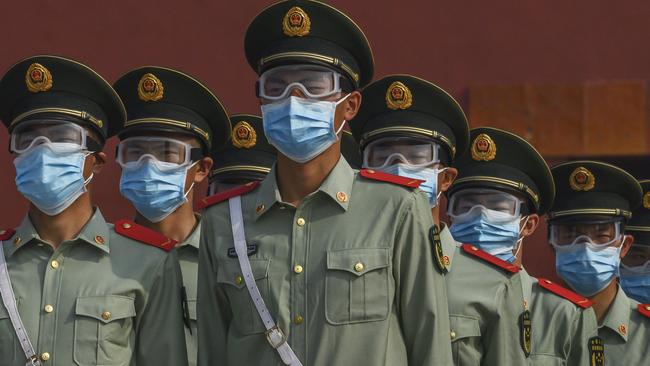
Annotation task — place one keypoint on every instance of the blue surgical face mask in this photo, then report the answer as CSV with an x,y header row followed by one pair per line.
x,y
494,232
299,128
636,282
156,189
50,176
428,175
587,268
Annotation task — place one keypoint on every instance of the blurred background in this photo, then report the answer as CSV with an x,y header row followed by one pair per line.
x,y
570,77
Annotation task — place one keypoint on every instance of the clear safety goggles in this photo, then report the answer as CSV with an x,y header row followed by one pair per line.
x,y
60,134
468,200
173,153
418,153
637,259
597,234
315,82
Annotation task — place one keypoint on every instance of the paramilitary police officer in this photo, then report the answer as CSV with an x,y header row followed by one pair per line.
x,y
246,157
635,266
411,127
325,265
86,292
173,123
504,187
587,230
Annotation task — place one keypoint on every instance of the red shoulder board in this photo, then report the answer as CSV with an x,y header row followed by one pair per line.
x,y
6,234
234,192
144,235
390,178
475,251
644,309
575,298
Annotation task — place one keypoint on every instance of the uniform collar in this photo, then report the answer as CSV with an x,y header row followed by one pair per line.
x,y
95,233
618,315
337,186
195,236
449,245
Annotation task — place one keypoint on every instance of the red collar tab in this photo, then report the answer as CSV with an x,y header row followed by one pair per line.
x,y
390,178
476,252
144,235
575,298
234,192
644,309
6,234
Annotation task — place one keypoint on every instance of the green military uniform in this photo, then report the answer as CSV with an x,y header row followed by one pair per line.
x,y
107,296
359,294
188,257
544,327
596,190
165,102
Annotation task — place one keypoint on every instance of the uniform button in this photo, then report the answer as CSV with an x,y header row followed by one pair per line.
x,y
452,334
2,232
238,280
259,209
370,171
126,225
17,240
106,315
49,308
54,264
99,239
358,267
45,356
647,308
297,268
298,319
300,222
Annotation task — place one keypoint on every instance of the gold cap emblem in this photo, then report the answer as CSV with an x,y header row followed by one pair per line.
x,y
296,23
150,88
243,135
646,200
38,78
582,179
483,148
398,96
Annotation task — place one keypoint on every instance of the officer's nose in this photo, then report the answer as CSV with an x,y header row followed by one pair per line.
x,y
297,92
396,160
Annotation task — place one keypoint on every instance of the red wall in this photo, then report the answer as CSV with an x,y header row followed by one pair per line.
x,y
453,43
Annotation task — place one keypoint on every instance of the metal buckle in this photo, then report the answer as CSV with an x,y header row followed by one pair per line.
x,y
275,337
34,361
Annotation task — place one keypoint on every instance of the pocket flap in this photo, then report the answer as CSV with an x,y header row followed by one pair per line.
x,y
464,326
228,272
106,308
358,261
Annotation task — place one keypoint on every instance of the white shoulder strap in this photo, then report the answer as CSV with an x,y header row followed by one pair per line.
x,y
9,301
274,334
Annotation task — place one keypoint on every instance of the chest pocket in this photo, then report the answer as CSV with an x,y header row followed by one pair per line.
x,y
546,360
103,330
7,335
357,285
466,340
245,316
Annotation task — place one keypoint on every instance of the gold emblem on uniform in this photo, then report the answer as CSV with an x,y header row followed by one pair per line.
x,y
398,96
582,179
483,148
434,237
296,23
243,135
38,78
526,325
596,351
150,88
646,200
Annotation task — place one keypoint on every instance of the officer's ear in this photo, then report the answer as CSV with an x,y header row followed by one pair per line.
x,y
446,178
528,226
98,161
202,169
628,240
350,106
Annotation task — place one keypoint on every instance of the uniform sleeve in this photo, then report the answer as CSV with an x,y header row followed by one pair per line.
x,y
585,327
161,336
213,310
502,338
420,293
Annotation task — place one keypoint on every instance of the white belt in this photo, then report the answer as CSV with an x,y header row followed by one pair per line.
x,y
274,334
9,301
